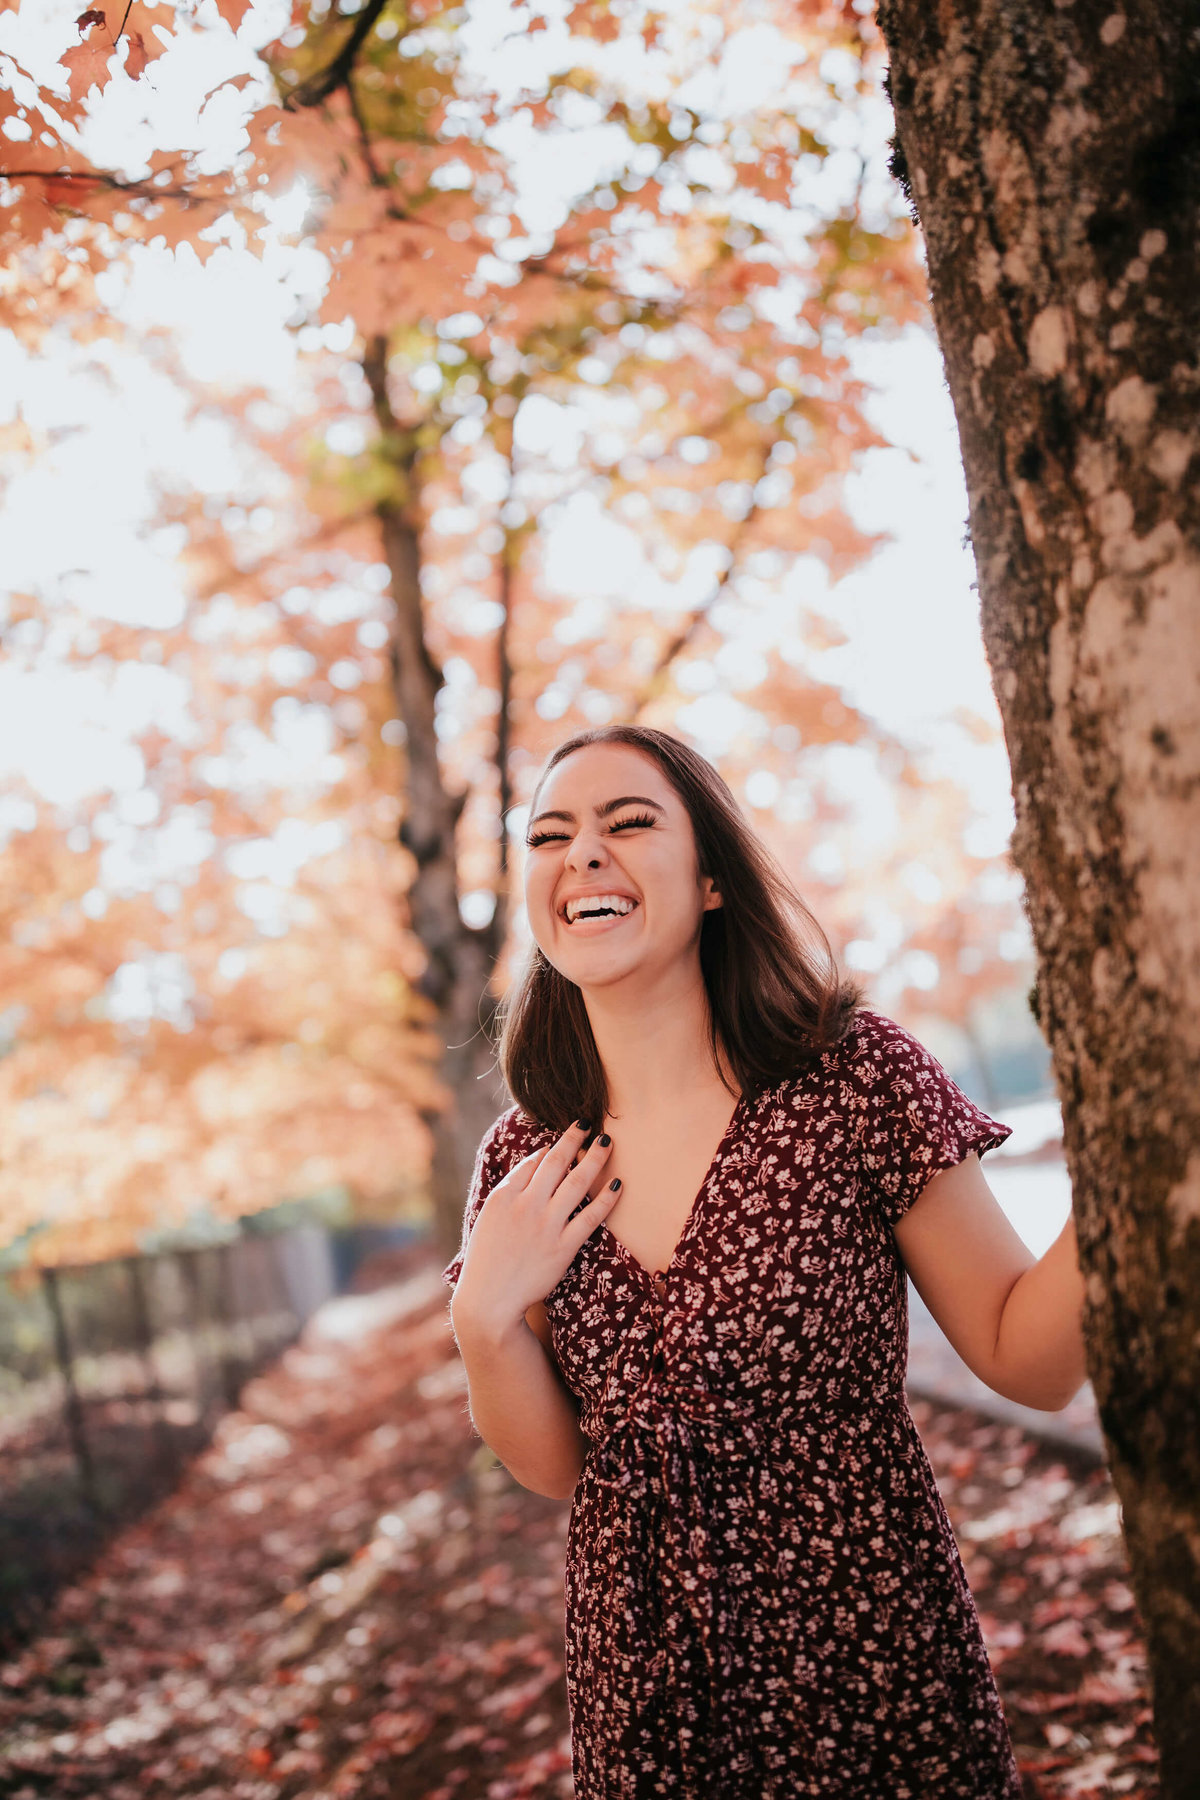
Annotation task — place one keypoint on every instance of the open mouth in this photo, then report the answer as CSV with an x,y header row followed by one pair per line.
x,y
597,907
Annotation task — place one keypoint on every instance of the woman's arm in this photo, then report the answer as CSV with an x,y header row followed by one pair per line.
x,y
1015,1320
520,1405
1040,1340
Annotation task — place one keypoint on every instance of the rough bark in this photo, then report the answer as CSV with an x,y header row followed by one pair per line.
x,y
460,958
1053,154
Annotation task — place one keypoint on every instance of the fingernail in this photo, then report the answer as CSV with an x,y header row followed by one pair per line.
x,y
604,1139
615,1183
582,1125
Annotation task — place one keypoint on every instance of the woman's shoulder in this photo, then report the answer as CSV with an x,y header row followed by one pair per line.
x,y
879,1049
868,1036
871,1032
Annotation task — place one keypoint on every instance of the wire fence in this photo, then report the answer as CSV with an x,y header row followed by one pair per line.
x,y
112,1374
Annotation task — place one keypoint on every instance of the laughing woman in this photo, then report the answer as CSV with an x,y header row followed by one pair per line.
x,y
681,1301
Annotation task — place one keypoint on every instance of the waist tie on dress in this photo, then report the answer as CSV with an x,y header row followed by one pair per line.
x,y
652,1443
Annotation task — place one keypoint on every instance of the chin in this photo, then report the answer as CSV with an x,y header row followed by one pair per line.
x,y
594,971
639,972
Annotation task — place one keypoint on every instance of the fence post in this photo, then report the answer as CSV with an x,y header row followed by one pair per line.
x,y
227,1313
72,1405
187,1262
167,1448
280,1242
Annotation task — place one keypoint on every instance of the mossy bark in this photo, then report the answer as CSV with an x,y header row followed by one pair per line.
x,y
1052,152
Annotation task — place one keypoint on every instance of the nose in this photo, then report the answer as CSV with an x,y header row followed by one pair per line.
x,y
587,850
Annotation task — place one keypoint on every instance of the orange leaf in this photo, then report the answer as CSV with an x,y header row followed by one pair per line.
x,y
233,11
87,65
592,18
138,57
69,191
140,28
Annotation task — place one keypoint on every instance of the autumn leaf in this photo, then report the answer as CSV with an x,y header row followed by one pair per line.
x,y
87,63
236,83
594,19
69,192
137,58
234,11
138,23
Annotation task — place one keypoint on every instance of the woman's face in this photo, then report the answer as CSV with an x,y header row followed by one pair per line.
x,y
612,886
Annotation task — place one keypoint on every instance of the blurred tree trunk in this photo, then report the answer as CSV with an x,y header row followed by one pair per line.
x,y
460,958
1053,154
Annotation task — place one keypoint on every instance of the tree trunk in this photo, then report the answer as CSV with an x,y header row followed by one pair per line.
x,y
1053,153
459,958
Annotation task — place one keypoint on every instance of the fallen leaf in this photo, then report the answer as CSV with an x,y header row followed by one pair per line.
x,y
1066,1639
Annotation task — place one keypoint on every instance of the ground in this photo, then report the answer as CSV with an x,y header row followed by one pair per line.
x,y
348,1599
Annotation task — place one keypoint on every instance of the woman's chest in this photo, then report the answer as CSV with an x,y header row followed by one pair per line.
x,y
662,1169
783,1258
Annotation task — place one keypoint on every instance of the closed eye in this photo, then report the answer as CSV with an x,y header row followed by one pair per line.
x,y
637,820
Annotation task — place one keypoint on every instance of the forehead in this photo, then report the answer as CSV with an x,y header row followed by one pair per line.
x,y
600,772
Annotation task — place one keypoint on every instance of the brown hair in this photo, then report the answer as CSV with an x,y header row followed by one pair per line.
x,y
774,1002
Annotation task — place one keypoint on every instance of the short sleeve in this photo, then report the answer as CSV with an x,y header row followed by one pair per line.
x,y
913,1119
501,1148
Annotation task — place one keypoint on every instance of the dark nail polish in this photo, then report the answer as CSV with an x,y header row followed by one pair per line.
x,y
615,1183
604,1139
582,1125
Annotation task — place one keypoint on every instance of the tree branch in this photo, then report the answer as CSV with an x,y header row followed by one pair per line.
x,y
318,87
98,178
374,174
653,686
124,23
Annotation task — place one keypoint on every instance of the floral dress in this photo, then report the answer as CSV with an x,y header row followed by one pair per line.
x,y
765,1599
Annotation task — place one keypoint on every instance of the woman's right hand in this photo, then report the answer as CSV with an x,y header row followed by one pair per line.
x,y
524,1238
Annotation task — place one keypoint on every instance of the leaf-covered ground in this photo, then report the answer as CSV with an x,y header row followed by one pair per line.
x,y
348,1600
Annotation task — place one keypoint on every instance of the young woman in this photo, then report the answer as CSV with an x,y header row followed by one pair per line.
x,y
681,1300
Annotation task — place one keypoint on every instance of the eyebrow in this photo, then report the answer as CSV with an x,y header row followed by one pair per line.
x,y
602,812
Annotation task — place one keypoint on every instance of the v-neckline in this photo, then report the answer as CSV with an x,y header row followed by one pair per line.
x,y
623,1250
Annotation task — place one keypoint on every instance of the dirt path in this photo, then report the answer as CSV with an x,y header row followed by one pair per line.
x,y
348,1600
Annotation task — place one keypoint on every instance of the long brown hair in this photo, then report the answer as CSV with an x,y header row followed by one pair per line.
x,y
776,999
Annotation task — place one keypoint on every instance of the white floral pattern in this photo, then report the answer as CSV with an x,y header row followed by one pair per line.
x,y
765,1599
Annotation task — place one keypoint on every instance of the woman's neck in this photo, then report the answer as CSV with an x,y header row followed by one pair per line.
x,y
655,1048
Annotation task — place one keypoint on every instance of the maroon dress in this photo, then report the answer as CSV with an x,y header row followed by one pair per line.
x,y
765,1599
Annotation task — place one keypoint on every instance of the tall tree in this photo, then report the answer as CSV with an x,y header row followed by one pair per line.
x,y
1053,155
682,239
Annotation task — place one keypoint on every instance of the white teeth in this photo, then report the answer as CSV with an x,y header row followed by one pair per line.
x,y
592,904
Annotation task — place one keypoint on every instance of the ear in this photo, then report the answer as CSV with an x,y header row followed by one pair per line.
x,y
710,899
